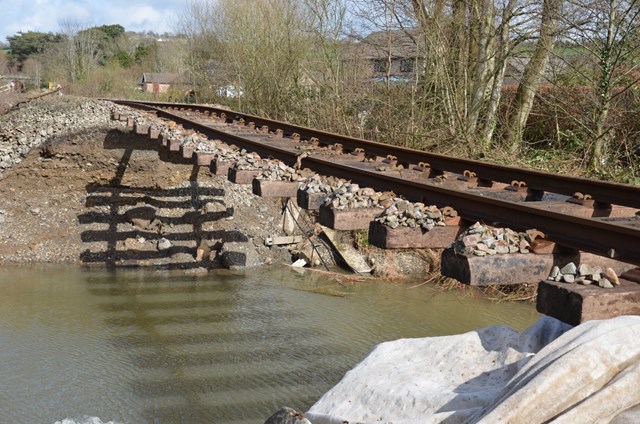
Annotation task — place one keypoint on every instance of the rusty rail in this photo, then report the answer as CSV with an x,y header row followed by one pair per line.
x,y
607,238
603,192
32,98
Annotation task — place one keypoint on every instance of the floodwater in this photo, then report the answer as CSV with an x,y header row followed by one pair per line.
x,y
145,346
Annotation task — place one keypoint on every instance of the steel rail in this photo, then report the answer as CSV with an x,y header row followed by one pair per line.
x,y
602,191
23,102
604,238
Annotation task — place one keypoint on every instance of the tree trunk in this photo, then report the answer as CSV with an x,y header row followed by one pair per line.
x,y
483,66
533,74
490,121
502,55
598,153
438,78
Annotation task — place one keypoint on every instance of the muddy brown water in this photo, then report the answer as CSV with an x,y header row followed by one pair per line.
x,y
143,346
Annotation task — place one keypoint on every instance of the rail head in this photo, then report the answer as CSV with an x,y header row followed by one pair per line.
x,y
597,236
602,191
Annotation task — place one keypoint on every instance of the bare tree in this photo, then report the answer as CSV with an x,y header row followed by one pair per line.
x,y
466,48
80,51
324,66
4,64
33,68
199,24
591,100
533,74
504,44
607,33
298,60
251,50
171,57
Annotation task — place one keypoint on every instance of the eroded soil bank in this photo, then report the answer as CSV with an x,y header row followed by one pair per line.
x,y
79,188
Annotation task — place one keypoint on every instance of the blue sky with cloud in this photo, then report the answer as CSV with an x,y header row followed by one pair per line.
x,y
47,15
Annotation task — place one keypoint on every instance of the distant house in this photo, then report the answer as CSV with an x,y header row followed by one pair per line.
x,y
517,65
397,56
157,83
394,55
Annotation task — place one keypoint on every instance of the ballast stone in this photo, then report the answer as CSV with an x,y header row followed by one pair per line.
x,y
164,244
30,127
585,274
569,268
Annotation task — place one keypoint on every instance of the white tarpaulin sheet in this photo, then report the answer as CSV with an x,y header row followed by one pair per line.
x,y
550,372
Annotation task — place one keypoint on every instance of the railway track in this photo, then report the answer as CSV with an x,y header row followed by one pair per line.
x,y
584,214
25,99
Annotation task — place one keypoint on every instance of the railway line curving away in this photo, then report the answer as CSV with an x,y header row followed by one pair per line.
x,y
607,224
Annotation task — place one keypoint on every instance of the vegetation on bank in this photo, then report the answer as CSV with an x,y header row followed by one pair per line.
x,y
549,84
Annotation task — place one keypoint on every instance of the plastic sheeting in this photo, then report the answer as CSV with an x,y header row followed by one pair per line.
x,y
550,372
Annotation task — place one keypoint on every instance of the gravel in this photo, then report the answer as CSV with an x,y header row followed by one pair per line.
x,y
483,240
585,274
34,124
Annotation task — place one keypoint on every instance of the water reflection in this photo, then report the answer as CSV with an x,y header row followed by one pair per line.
x,y
146,346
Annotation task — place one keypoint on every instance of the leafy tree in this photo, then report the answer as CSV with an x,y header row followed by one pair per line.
x,y
111,31
123,58
27,44
143,52
140,54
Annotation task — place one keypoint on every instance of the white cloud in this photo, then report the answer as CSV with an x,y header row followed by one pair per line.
x,y
144,17
47,15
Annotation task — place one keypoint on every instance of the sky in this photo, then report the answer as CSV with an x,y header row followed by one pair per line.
x,y
159,16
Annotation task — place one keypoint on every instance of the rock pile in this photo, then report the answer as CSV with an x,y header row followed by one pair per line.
x,y
207,145
483,240
175,132
197,142
413,215
347,195
188,138
279,171
138,117
249,161
41,120
585,274
320,184
272,170
193,141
